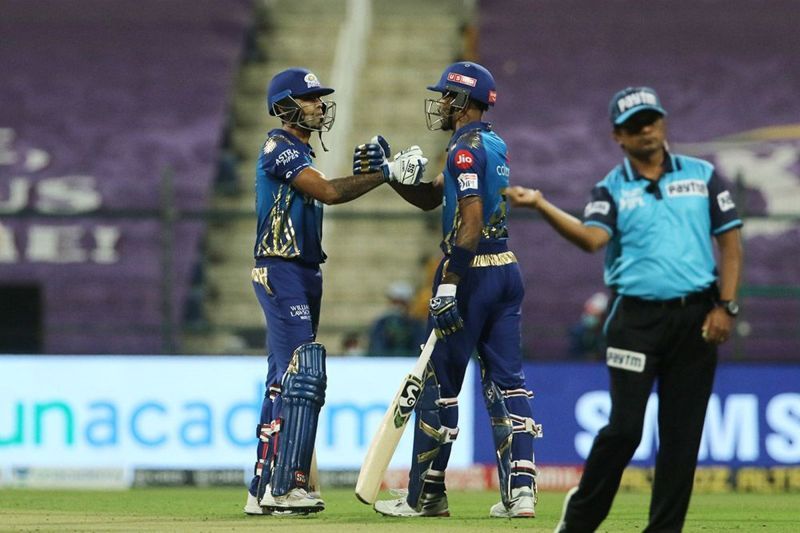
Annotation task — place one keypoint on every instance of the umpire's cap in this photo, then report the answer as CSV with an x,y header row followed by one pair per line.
x,y
630,101
295,81
468,77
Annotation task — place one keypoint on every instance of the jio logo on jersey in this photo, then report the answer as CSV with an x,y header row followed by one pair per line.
x,y
463,159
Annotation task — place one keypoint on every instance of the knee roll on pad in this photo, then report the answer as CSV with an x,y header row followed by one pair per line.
x,y
303,394
513,431
429,438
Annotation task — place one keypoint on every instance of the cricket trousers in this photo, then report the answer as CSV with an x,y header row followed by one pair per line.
x,y
650,342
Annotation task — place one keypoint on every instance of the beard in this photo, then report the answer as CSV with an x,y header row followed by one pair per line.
x,y
447,122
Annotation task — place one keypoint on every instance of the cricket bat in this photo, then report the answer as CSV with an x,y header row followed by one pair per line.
x,y
313,476
385,441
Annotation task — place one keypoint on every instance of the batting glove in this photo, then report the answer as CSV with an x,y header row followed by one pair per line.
x,y
444,311
372,156
408,166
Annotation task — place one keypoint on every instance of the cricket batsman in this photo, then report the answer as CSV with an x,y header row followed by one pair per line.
x,y
478,293
288,283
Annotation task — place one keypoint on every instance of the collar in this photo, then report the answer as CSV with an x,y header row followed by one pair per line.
x,y
476,125
293,137
669,164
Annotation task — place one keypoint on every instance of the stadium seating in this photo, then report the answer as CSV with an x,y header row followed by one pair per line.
x,y
725,70
124,95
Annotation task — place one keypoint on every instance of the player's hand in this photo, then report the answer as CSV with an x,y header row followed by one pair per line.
x,y
717,327
444,311
407,167
372,156
523,196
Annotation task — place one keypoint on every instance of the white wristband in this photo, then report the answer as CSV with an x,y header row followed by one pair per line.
x,y
446,289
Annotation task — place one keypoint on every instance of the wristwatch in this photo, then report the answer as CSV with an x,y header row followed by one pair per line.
x,y
730,307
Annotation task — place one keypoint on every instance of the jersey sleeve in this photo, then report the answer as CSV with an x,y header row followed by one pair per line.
x,y
282,160
601,211
724,215
467,166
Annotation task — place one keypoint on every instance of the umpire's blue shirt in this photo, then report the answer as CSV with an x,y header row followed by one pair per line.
x,y
660,245
289,223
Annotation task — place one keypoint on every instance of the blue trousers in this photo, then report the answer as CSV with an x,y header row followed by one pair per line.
x,y
290,294
489,301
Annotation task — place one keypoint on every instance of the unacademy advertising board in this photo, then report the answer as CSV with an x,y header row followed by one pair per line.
x,y
184,412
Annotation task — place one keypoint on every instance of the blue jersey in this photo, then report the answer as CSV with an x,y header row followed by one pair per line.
x,y
477,165
289,222
660,245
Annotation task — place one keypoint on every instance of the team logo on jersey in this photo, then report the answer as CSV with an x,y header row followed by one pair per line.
x,y
463,159
467,180
687,188
625,359
725,201
311,80
463,80
290,154
600,208
270,146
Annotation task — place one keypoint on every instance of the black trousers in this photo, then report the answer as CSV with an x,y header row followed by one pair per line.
x,y
683,364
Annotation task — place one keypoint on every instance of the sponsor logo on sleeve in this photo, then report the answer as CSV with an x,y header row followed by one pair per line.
x,y
463,80
725,201
270,146
625,359
687,188
290,154
467,180
463,159
596,208
503,170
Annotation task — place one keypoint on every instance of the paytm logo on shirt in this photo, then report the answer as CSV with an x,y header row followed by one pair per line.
x,y
687,188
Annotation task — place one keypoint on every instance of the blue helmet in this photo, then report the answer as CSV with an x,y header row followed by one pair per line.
x,y
297,82
466,81
470,78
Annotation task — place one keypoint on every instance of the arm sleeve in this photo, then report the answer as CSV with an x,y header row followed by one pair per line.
x,y
467,166
601,211
724,215
283,160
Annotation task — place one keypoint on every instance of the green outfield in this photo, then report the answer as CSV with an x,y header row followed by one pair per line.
x,y
195,509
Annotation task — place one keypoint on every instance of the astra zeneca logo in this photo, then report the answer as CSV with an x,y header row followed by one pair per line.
x,y
463,159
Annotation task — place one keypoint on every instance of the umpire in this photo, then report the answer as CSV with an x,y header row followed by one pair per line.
x,y
672,305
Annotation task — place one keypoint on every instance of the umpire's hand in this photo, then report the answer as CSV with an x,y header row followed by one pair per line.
x,y
444,311
718,326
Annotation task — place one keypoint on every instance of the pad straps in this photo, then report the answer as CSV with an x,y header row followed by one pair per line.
x,y
303,395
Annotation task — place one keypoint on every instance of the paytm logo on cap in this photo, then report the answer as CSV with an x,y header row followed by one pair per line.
x,y
636,99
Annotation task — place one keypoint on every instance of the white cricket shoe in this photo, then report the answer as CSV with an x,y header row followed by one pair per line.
x,y
252,506
296,500
521,505
431,505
